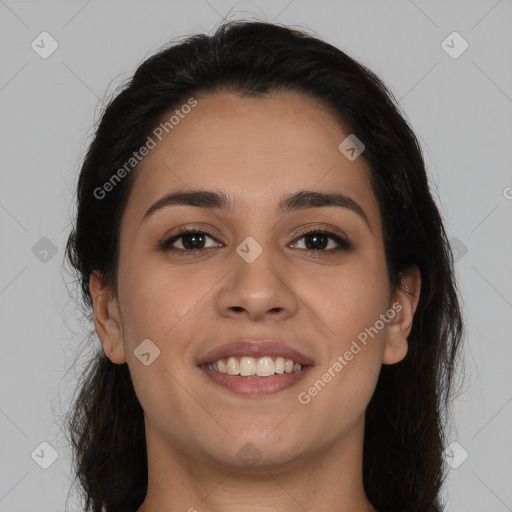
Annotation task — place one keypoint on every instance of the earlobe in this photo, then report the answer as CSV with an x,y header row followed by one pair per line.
x,y
404,305
107,319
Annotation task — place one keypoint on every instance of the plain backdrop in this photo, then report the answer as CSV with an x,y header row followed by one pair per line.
x,y
458,102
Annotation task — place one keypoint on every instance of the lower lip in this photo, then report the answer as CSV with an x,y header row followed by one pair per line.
x,y
253,385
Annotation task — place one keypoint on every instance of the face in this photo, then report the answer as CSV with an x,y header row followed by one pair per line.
x,y
290,279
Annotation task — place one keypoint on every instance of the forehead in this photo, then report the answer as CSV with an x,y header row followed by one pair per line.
x,y
254,149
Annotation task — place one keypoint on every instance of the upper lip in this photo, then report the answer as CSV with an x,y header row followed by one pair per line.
x,y
254,349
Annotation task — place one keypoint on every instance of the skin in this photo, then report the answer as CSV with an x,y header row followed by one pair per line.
x,y
255,150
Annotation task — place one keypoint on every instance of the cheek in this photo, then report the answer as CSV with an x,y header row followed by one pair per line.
x,y
345,380
354,298
157,300
353,301
162,305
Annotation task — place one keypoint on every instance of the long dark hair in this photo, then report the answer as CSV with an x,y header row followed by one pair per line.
x,y
403,468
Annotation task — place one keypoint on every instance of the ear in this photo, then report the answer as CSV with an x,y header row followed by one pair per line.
x,y
401,312
107,319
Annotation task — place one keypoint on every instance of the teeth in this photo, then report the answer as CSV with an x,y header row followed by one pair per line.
x,y
265,367
247,366
262,367
279,365
232,367
221,366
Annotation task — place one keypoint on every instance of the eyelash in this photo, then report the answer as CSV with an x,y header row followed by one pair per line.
x,y
343,243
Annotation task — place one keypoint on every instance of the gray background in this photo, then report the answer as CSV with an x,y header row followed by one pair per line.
x,y
459,107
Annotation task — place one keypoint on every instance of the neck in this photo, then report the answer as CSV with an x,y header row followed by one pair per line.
x,y
330,479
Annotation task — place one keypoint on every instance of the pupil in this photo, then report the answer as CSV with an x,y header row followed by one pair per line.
x,y
315,237
191,241
193,237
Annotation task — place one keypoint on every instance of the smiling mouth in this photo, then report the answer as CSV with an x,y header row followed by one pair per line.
x,y
245,366
255,368
255,376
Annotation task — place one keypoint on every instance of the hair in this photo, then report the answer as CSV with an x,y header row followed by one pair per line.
x,y
404,437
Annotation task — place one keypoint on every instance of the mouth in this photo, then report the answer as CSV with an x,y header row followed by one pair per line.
x,y
261,367
255,368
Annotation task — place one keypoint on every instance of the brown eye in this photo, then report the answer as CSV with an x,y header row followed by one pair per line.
x,y
324,241
190,241
193,242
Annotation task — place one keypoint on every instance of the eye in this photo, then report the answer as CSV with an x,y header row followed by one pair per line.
x,y
319,240
190,240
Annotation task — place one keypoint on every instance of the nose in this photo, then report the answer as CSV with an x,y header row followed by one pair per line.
x,y
258,289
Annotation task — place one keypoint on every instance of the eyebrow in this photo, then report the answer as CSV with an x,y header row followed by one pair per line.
x,y
304,199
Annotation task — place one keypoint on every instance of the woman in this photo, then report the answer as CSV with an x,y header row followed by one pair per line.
x,y
271,284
